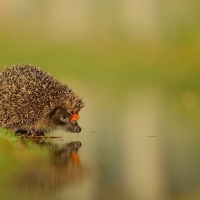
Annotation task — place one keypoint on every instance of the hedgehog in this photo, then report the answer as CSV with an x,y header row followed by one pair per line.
x,y
32,102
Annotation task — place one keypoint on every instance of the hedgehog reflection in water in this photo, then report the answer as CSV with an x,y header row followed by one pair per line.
x,y
32,102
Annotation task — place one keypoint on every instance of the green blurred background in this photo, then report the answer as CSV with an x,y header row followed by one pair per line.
x,y
123,57
111,42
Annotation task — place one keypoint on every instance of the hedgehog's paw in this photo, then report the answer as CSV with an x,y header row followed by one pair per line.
x,y
39,133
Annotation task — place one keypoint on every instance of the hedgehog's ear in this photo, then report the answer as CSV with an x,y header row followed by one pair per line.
x,y
54,111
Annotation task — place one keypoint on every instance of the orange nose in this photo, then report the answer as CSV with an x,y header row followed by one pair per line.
x,y
74,117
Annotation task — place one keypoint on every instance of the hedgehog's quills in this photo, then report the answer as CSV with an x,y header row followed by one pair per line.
x,y
32,102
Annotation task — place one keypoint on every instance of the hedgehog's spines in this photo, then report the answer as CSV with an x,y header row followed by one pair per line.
x,y
28,94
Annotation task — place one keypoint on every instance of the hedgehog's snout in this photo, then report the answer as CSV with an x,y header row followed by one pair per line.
x,y
74,127
77,129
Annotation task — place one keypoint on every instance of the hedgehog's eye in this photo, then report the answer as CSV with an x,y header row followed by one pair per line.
x,y
63,117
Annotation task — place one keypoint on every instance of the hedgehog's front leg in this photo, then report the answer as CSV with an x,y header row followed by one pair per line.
x,y
29,133
33,132
39,133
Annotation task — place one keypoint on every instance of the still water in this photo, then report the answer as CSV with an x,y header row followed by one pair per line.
x,y
144,146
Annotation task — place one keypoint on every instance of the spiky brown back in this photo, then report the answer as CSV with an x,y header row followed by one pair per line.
x,y
28,94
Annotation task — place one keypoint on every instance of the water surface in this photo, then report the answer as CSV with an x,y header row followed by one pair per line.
x,y
143,146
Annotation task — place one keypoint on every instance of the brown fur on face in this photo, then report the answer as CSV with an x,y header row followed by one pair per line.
x,y
60,118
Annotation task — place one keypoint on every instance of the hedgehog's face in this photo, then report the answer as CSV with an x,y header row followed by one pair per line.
x,y
62,119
